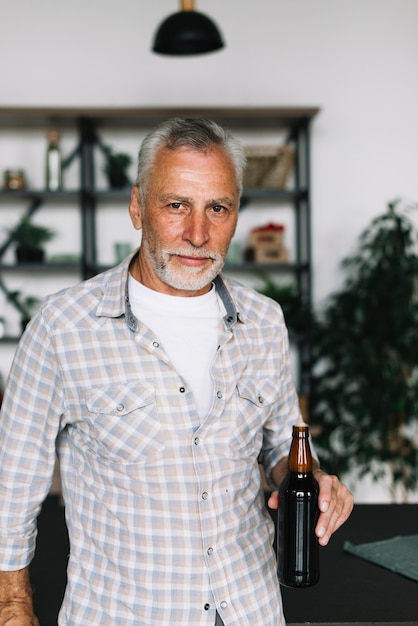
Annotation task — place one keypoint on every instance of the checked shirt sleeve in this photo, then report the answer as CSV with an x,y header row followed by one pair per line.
x,y
29,424
277,432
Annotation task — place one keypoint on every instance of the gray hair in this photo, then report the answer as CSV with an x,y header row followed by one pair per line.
x,y
194,133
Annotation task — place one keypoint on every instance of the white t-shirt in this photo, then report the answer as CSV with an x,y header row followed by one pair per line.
x,y
187,328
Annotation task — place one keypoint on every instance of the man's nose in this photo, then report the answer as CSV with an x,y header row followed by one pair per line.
x,y
196,229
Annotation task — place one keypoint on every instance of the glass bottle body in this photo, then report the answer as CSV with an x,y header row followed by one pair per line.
x,y
298,553
53,172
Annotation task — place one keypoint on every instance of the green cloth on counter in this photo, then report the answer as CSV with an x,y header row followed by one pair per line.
x,y
399,554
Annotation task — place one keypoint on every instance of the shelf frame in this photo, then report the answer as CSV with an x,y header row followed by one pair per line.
x,y
89,122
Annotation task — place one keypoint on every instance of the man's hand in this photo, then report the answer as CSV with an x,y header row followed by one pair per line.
x,y
17,613
16,607
335,504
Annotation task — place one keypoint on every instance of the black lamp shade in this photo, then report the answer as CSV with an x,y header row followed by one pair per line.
x,y
187,32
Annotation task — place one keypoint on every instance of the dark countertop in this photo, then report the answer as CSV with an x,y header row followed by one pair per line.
x,y
350,590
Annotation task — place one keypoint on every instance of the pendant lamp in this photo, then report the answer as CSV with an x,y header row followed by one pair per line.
x,y
187,32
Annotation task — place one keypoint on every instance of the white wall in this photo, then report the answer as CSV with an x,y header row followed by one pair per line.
x,y
356,59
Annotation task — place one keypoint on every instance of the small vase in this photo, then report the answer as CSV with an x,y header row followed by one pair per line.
x,y
29,254
118,180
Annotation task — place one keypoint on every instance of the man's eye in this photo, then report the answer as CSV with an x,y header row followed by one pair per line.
x,y
218,209
175,205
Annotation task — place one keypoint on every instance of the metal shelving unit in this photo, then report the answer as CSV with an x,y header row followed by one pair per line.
x,y
90,123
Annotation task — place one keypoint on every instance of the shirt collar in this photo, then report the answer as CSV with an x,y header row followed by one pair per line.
x,y
114,291
115,300
232,314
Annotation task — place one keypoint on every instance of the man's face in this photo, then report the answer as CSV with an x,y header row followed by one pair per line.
x,y
188,221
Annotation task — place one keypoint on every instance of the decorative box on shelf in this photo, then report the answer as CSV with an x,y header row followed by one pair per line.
x,y
268,167
265,244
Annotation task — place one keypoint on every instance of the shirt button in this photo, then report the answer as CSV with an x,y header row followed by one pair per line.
x,y
155,344
224,604
207,606
120,407
260,399
205,495
219,394
210,551
182,390
196,441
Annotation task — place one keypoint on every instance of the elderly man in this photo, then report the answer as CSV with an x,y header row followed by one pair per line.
x,y
161,386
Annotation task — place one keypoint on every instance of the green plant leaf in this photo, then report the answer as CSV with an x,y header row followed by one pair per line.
x,y
365,379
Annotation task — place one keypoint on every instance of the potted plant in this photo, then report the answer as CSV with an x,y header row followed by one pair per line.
x,y
115,167
365,376
26,305
29,239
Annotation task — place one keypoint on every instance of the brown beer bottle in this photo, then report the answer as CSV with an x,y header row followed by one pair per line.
x,y
297,544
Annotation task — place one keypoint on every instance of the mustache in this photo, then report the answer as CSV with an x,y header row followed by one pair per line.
x,y
199,253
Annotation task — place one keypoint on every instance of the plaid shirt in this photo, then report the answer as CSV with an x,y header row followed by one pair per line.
x,y
166,515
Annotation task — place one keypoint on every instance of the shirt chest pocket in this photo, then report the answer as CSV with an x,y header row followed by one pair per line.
x,y
260,393
122,423
256,399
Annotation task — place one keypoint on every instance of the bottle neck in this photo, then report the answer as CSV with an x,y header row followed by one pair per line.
x,y
300,457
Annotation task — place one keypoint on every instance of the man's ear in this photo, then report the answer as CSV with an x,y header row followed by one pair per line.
x,y
135,208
